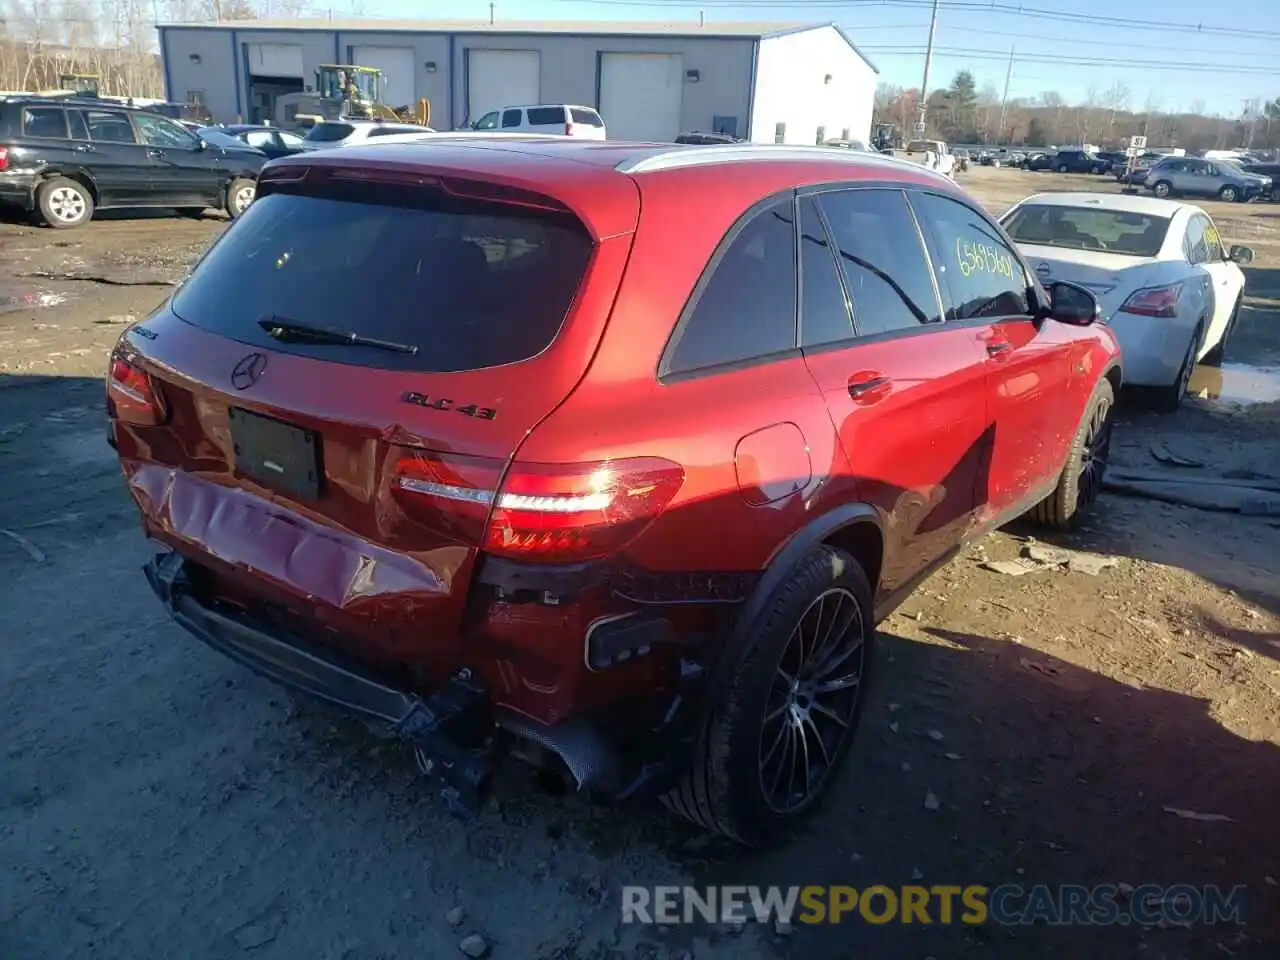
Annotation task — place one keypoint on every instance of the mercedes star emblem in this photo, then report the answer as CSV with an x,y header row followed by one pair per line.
x,y
248,371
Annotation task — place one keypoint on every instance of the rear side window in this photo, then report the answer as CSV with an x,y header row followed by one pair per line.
x,y
546,116
329,132
468,285
824,311
983,274
511,118
885,267
109,126
588,118
44,123
747,308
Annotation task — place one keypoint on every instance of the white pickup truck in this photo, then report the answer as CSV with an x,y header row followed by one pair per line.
x,y
931,153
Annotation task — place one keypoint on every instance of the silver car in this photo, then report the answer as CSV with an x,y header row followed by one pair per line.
x,y
1193,177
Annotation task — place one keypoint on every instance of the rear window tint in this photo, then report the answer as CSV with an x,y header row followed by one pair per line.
x,y
545,116
329,132
586,117
44,122
469,285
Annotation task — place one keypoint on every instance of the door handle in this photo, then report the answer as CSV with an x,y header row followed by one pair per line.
x,y
868,387
998,348
155,153
84,148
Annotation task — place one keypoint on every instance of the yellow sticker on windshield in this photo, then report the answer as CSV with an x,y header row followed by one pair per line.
x,y
974,256
1212,236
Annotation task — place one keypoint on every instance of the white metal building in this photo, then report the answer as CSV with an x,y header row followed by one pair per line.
x,y
767,82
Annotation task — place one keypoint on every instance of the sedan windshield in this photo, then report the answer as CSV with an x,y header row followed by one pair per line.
x,y
218,139
1082,228
329,132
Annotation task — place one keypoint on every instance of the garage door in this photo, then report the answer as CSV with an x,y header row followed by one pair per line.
x,y
500,78
396,64
275,60
640,95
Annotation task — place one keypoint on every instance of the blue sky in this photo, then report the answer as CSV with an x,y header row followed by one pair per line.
x,y
1064,47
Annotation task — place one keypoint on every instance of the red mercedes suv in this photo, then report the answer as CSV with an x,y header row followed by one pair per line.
x,y
607,454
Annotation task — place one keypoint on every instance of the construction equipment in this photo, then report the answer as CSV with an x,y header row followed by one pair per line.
x,y
344,92
885,138
81,84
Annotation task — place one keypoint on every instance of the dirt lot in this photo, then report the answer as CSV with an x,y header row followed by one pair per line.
x,y
157,800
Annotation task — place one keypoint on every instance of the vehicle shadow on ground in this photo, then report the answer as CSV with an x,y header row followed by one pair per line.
x,y
19,217
1041,773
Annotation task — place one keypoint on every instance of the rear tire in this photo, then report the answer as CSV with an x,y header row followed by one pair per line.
x,y
1162,188
1214,357
1228,195
64,204
789,707
1170,398
1082,475
1062,168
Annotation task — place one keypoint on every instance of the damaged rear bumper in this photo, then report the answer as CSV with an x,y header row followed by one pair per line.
x,y
450,730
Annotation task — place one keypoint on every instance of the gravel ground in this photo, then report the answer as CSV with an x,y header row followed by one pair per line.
x,y
157,800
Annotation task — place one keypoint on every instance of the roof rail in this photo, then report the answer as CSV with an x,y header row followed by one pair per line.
x,y
696,155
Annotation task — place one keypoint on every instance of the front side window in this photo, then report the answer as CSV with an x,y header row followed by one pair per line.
x,y
109,126
747,309
981,272
488,122
161,132
886,271
45,123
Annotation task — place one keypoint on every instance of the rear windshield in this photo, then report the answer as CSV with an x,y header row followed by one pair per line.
x,y
586,117
329,132
469,285
1081,228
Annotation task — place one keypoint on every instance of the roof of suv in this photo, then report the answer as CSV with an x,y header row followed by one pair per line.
x,y
597,179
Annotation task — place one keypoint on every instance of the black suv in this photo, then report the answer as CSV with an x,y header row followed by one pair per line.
x,y
61,159
1078,161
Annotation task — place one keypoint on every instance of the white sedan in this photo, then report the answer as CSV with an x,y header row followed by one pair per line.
x,y
1166,284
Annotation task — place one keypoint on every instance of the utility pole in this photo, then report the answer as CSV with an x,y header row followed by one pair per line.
x,y
1004,101
923,106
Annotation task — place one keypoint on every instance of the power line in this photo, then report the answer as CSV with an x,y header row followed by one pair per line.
x,y
971,54
976,6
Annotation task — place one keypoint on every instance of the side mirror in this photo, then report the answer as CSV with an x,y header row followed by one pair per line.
x,y
200,146
1073,304
1241,255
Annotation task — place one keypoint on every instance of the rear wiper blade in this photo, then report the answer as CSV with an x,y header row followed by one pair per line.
x,y
291,330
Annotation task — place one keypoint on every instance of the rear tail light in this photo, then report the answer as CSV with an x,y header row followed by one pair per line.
x,y
132,395
4,159
552,512
1154,301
